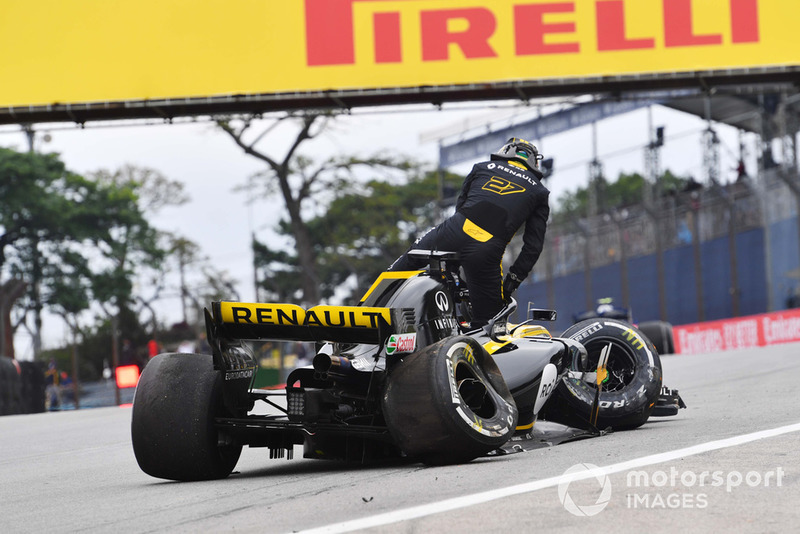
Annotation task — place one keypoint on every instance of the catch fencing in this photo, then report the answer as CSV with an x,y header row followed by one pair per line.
x,y
702,254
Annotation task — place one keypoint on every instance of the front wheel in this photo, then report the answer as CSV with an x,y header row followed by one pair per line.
x,y
631,389
448,403
173,430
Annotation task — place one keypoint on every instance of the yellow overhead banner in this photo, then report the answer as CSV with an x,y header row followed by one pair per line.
x,y
78,51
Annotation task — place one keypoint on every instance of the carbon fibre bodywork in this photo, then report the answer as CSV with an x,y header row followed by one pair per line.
x,y
333,408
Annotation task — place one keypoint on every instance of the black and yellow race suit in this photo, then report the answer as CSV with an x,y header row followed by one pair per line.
x,y
496,200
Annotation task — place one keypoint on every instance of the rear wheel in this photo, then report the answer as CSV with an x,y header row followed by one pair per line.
x,y
628,395
173,430
448,403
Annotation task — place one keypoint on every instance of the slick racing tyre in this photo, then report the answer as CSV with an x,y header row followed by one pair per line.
x,y
660,333
634,378
173,430
448,403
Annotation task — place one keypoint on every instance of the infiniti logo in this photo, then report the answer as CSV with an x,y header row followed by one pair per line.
x,y
441,301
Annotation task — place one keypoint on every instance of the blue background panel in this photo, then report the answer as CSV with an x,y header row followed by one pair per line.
x,y
643,288
783,252
680,280
751,271
680,286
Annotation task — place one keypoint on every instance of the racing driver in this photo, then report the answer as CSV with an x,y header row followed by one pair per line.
x,y
498,197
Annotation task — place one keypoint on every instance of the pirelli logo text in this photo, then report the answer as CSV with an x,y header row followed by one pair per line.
x,y
477,29
293,315
501,186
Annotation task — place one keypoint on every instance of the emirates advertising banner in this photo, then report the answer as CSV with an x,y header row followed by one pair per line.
x,y
738,333
73,51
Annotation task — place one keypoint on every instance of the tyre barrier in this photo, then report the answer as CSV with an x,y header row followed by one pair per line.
x,y
8,383
22,387
33,387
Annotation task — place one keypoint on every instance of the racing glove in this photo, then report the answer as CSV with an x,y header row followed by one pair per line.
x,y
510,284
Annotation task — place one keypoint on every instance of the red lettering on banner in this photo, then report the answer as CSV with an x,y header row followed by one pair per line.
x,y
678,30
530,29
329,32
743,332
611,28
474,41
744,21
388,46
781,327
331,37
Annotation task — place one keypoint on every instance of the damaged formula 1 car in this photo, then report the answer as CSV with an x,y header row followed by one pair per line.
x,y
399,375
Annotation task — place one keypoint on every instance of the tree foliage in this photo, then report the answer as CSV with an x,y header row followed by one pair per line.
x,y
41,208
365,228
124,237
627,190
305,187
78,243
39,200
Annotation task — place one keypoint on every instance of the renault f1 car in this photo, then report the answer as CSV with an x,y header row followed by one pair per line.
x,y
400,375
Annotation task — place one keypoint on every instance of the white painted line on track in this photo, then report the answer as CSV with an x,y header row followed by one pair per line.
x,y
456,503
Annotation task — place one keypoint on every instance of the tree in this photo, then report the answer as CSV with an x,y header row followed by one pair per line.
x,y
10,291
125,239
627,190
365,229
303,185
72,245
69,292
127,244
277,272
40,208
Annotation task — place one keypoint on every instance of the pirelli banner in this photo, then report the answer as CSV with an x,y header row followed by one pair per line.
x,y
84,53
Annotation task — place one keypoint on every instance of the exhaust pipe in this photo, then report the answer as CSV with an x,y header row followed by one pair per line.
x,y
327,367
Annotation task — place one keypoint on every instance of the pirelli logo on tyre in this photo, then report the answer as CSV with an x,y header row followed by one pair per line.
x,y
501,186
586,332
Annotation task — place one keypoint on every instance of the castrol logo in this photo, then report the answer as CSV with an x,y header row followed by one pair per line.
x,y
401,343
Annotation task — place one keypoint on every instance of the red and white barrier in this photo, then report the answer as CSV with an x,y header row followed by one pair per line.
x,y
739,333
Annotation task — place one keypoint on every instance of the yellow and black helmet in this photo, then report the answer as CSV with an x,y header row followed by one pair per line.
x,y
520,150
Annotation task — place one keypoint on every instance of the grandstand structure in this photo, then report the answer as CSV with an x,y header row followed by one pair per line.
x,y
714,251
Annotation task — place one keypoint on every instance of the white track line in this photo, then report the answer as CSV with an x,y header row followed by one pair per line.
x,y
455,503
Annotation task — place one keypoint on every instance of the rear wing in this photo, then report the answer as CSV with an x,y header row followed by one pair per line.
x,y
349,324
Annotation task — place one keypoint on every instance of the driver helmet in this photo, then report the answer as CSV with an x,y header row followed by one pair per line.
x,y
522,151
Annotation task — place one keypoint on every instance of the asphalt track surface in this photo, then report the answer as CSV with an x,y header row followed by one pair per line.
x,y
729,462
